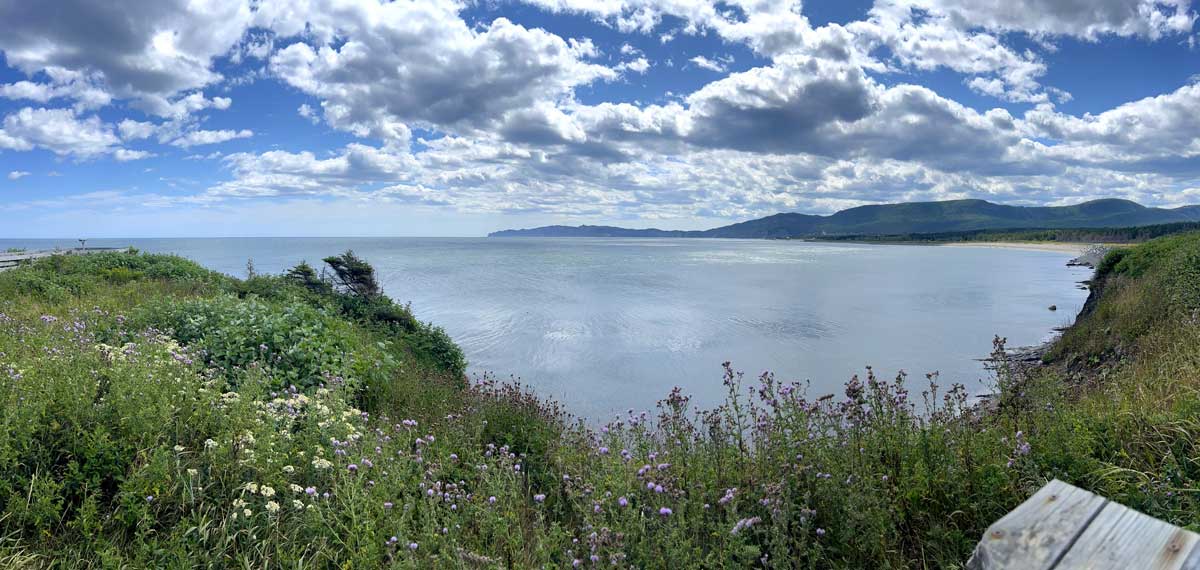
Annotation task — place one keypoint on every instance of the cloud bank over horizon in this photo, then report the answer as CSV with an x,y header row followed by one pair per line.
x,y
437,117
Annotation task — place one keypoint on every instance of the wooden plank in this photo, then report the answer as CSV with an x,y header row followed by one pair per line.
x,y
1120,537
1037,534
1192,562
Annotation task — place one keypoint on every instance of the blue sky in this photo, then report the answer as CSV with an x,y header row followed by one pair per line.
x,y
427,117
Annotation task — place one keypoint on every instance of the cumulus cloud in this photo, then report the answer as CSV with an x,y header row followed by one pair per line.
x,y
136,130
1160,133
146,50
494,116
203,137
126,155
58,130
709,64
419,63
18,174
1087,19
640,65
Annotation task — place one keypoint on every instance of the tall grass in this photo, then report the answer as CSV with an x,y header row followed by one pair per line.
x,y
158,415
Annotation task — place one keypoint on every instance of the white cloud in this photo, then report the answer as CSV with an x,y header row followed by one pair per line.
x,y
136,130
1088,19
145,50
419,63
821,118
640,65
711,65
58,130
203,137
64,85
126,155
18,174
305,110
1160,133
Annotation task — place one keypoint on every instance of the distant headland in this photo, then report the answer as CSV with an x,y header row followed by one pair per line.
x,y
908,218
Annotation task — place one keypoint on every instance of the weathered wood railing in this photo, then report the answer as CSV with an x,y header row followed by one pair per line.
x,y
1062,527
9,260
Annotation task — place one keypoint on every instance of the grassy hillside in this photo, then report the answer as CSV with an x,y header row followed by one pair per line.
x,y
159,415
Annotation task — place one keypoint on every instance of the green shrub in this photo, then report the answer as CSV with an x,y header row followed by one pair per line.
x,y
121,275
304,345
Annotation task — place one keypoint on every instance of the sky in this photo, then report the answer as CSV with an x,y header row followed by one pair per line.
x,y
183,118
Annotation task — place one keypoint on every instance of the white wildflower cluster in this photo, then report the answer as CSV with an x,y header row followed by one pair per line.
x,y
115,353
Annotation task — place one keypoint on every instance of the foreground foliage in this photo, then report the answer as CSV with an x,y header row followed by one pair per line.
x,y
159,415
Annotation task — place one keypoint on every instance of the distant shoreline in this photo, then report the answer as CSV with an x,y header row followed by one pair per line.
x,y
1074,248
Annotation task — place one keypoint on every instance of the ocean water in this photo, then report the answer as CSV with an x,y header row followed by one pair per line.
x,y
606,325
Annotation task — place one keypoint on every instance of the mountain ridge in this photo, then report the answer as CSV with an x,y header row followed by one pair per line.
x,y
903,218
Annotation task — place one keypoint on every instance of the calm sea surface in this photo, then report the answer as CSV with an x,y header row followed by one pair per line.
x,y
610,324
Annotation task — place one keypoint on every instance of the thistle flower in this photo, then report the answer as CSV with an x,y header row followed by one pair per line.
x,y
412,546
666,512
745,524
539,498
622,501
387,505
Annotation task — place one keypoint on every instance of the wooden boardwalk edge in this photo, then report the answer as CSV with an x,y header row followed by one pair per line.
x,y
11,260
1064,527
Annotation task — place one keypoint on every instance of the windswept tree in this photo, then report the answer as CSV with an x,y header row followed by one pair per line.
x,y
305,275
353,275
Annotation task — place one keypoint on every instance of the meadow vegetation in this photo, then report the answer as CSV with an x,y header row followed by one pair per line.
x,y
156,414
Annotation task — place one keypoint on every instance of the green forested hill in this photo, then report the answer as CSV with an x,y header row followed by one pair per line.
x,y
908,218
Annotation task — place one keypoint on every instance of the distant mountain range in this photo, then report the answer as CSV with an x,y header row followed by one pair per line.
x,y
910,218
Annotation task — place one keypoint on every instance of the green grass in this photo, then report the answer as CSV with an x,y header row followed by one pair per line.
x,y
160,415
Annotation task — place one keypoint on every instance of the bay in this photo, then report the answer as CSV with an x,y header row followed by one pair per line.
x,y
607,325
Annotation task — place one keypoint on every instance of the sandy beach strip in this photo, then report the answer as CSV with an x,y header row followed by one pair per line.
x,y
1074,248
